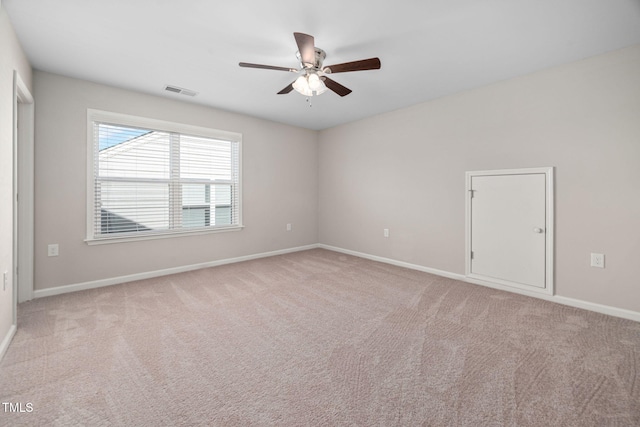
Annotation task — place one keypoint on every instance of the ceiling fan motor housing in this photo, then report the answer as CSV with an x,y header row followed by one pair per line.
x,y
320,56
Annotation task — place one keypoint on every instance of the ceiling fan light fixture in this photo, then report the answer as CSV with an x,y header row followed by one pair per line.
x,y
321,88
301,85
309,84
314,81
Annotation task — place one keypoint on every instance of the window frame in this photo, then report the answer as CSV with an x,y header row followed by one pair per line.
x,y
159,125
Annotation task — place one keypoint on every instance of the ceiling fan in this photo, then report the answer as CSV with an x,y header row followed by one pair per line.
x,y
313,78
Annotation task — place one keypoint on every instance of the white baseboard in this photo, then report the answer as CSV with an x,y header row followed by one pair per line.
x,y
394,262
591,306
572,302
4,346
599,308
40,293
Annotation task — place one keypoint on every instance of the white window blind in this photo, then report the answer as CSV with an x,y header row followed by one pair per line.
x,y
149,182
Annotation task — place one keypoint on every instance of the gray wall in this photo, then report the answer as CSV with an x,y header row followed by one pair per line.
x,y
11,58
280,185
405,171
402,170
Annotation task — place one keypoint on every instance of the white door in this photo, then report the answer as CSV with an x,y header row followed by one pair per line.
x,y
509,228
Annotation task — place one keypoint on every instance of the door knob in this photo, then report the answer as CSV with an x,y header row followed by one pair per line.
x,y
538,230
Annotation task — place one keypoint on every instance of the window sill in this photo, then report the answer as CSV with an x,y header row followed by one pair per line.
x,y
159,235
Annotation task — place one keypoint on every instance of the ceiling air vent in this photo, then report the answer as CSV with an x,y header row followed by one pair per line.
x,y
180,90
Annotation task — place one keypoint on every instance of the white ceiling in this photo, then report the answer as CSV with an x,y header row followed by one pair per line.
x,y
428,48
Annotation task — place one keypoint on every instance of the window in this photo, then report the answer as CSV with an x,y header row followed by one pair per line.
x,y
150,178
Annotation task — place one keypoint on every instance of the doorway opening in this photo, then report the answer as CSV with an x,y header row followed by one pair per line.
x,y
23,193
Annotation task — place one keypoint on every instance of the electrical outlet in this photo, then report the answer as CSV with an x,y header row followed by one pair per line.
x,y
385,232
288,227
52,250
597,260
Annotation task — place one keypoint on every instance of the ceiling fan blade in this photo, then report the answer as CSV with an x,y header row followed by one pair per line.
x,y
266,67
306,47
362,65
286,89
336,87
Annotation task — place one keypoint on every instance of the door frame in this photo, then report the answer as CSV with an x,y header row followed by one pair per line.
x,y
549,232
23,193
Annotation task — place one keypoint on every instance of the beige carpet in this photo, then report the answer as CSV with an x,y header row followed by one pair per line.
x,y
321,339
